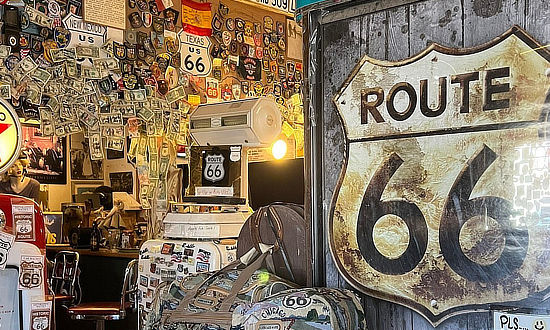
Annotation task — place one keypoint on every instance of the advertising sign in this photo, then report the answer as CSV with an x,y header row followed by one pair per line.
x,y
440,205
10,136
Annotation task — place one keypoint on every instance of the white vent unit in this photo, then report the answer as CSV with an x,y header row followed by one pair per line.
x,y
251,122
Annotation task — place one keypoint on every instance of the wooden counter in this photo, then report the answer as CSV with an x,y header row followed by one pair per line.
x,y
134,254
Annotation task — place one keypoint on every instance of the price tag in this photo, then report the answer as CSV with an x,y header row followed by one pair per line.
x,y
31,270
23,217
41,315
6,242
195,54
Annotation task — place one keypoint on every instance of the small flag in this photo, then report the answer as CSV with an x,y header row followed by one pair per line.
x,y
196,18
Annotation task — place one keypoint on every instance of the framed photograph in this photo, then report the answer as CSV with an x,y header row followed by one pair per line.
x,y
122,181
81,188
47,156
82,167
53,222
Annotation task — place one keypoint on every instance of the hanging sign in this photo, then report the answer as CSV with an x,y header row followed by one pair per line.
x,y
436,207
84,33
10,136
195,54
31,270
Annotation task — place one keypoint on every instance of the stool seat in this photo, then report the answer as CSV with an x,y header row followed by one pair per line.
x,y
63,297
96,308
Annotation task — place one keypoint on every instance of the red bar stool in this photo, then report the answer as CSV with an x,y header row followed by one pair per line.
x,y
99,312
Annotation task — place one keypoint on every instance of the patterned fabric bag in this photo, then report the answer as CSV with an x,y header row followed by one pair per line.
x,y
205,300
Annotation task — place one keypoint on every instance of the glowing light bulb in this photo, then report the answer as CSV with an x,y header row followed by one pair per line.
x,y
279,149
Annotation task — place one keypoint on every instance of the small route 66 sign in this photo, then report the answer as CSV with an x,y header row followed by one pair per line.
x,y
31,270
213,170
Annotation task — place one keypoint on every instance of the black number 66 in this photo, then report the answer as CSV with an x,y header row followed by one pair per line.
x,y
457,210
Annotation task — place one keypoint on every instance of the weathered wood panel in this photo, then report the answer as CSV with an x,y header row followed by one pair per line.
x,y
486,19
537,20
435,21
343,38
395,34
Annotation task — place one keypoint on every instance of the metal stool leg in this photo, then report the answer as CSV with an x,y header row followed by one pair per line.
x,y
100,325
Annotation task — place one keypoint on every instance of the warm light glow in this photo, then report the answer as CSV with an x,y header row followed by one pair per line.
x,y
279,149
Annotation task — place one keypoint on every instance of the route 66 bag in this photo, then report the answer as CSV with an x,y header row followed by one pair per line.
x,y
315,308
207,299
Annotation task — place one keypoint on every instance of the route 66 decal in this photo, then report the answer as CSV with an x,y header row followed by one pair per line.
x,y
31,270
213,170
6,242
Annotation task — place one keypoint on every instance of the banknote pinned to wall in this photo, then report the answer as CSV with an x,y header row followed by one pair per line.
x,y
444,164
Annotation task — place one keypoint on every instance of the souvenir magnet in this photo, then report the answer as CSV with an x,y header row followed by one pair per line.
x,y
259,53
131,37
236,91
258,28
142,5
282,44
131,53
268,24
257,39
230,24
223,10
239,24
226,37
239,36
244,87
281,60
171,14
153,8
147,19
162,87
135,20
244,50
119,51
217,22
158,24
233,48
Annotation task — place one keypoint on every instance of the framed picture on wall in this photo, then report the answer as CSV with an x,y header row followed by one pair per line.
x,y
47,156
79,188
82,167
122,181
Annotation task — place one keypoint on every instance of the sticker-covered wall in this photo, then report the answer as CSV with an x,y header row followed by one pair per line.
x,y
120,78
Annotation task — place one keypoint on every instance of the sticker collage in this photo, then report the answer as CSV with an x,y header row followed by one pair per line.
x,y
132,90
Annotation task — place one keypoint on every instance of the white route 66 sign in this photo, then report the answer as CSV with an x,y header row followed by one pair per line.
x,y
213,168
195,54
440,205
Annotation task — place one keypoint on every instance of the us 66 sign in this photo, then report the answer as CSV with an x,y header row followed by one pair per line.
x,y
442,204
195,54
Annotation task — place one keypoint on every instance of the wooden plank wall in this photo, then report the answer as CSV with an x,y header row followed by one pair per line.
x,y
395,34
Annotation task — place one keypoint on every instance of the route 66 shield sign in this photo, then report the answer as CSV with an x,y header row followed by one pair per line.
x,y
442,204
213,169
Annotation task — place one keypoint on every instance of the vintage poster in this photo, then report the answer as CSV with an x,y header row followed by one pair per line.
x,y
46,155
441,204
23,218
